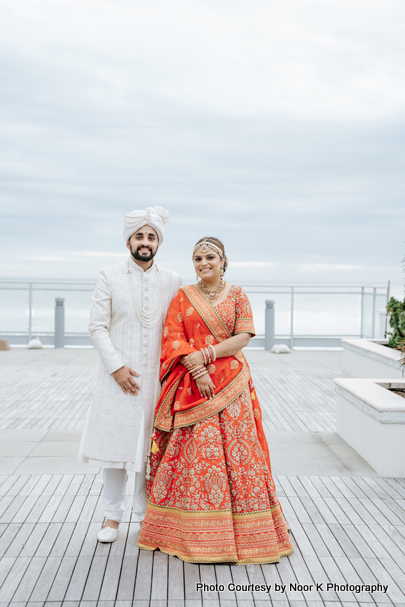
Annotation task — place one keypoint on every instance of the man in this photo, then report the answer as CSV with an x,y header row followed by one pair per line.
x,y
130,304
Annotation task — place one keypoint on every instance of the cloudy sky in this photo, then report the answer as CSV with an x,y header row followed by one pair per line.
x,y
277,126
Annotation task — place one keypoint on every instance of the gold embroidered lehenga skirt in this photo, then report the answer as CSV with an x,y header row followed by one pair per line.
x,y
213,498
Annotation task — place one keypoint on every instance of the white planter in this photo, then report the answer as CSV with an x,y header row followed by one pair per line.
x,y
371,419
370,358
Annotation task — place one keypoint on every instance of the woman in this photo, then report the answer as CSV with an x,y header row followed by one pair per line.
x,y
211,493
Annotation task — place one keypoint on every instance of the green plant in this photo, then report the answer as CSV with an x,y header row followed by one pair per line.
x,y
401,348
397,321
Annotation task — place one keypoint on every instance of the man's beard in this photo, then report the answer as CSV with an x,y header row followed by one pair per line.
x,y
139,256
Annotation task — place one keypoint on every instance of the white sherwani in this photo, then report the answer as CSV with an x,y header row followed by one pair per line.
x,y
118,425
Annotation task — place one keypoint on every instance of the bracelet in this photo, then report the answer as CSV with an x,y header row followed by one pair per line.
x,y
213,352
200,374
197,370
207,355
204,356
197,367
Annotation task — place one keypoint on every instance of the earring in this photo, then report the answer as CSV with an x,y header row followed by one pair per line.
x,y
197,278
222,272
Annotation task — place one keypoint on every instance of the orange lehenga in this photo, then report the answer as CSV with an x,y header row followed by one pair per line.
x,y
211,494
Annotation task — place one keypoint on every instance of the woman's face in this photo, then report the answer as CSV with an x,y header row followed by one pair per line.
x,y
207,264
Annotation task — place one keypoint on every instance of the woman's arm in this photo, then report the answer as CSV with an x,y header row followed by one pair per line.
x,y
229,347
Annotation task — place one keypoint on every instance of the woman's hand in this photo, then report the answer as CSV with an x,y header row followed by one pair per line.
x,y
192,360
205,386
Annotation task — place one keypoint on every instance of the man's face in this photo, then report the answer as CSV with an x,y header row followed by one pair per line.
x,y
143,244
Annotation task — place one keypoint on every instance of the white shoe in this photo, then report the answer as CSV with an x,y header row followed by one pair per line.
x,y
107,535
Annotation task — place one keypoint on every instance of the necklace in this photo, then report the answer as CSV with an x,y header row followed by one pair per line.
x,y
211,295
147,319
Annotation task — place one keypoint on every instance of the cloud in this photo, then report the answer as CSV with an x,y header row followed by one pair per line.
x,y
278,127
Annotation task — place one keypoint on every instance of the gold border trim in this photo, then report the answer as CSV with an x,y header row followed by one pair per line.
x,y
257,561
209,513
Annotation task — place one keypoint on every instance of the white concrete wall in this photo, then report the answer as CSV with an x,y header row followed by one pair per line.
x,y
357,364
368,358
381,445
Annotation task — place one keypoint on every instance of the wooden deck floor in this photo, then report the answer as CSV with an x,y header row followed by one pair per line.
x,y
345,529
58,397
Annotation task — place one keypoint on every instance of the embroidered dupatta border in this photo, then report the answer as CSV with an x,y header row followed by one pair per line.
x,y
169,368
166,423
217,404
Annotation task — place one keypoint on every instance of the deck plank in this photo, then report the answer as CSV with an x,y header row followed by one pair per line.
x,y
30,578
13,579
46,578
126,583
62,579
159,576
95,578
19,540
143,576
176,580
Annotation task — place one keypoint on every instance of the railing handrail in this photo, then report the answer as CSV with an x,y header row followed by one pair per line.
x,y
58,281
291,290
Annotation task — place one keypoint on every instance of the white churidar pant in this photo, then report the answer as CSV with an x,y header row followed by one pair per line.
x,y
115,480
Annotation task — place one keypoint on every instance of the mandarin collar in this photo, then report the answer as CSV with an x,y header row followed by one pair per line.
x,y
134,266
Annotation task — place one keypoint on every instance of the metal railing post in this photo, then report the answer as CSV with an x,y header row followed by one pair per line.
x,y
374,305
292,319
269,325
29,312
59,322
362,313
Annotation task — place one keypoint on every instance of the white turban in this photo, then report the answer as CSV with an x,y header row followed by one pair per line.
x,y
154,217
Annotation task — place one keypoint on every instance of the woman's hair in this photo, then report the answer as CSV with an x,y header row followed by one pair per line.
x,y
219,244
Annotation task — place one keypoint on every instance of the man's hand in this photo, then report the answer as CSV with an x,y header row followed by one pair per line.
x,y
124,378
205,386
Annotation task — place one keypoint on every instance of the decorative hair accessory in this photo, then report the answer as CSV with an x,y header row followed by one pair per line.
x,y
205,245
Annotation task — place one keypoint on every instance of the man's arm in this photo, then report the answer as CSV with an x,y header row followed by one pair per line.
x,y
100,319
